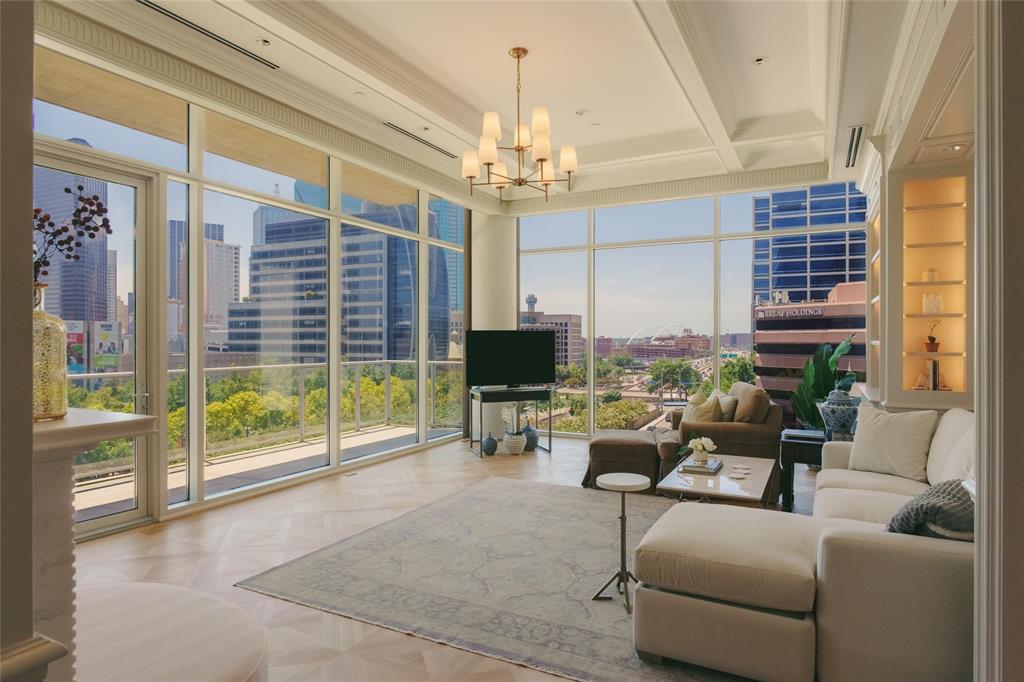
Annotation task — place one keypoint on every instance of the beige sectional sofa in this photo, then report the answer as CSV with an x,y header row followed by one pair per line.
x,y
776,596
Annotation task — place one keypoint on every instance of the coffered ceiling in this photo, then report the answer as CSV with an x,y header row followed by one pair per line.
x,y
648,91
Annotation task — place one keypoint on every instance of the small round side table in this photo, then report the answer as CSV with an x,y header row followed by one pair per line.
x,y
623,483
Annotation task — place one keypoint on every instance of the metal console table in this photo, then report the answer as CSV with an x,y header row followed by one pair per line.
x,y
511,395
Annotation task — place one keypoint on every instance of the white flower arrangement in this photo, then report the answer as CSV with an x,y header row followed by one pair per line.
x,y
704,444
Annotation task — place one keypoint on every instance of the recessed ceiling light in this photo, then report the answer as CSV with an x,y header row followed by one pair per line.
x,y
262,41
358,93
595,125
760,61
956,147
582,112
425,129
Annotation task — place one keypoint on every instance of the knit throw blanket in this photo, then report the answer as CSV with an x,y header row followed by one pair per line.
x,y
945,510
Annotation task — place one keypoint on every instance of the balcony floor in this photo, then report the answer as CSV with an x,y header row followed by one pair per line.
x,y
116,494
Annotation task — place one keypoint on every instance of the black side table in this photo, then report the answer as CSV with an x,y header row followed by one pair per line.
x,y
797,447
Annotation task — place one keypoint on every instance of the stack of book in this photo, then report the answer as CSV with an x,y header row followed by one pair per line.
x,y
709,468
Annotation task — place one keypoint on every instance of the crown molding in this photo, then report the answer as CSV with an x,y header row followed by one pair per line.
x,y
84,37
619,152
956,76
316,23
787,126
675,189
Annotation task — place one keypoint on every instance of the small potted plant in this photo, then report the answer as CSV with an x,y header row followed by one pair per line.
x,y
515,439
931,345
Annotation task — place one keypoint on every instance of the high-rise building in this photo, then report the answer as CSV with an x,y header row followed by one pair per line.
x,y
222,280
77,290
568,331
112,287
177,239
798,268
286,311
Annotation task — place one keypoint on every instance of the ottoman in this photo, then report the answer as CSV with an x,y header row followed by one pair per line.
x,y
620,451
729,588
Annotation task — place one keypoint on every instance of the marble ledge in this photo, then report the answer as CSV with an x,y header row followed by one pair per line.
x,y
82,430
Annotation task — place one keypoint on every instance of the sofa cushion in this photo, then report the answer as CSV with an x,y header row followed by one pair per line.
x,y
668,444
728,403
961,461
870,506
892,442
708,411
754,557
947,444
753,403
867,480
621,444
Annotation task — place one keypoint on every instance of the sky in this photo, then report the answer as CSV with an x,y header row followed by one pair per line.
x,y
636,289
639,289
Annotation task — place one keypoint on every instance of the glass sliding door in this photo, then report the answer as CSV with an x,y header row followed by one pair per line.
x,y
444,342
97,295
265,329
378,373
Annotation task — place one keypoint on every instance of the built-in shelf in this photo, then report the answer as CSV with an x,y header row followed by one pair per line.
x,y
936,283
877,255
926,354
935,207
934,245
876,342
924,316
876,299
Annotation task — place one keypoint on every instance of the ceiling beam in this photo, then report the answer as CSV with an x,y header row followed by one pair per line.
x,y
676,28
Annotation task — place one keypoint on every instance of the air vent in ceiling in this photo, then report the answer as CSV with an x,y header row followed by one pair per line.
x,y
419,139
209,34
853,149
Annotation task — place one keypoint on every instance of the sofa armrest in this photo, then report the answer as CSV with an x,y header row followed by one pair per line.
x,y
677,416
893,606
835,454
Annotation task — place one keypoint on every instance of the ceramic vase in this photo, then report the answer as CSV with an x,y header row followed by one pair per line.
x,y
839,412
514,443
489,445
532,437
49,362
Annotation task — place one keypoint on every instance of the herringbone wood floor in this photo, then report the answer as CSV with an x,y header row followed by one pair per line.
x,y
212,550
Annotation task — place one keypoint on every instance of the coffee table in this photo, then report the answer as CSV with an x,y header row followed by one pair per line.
x,y
722,488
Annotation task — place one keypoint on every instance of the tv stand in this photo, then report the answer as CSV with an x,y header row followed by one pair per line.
x,y
511,394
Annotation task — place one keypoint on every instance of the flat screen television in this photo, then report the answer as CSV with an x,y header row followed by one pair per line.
x,y
510,358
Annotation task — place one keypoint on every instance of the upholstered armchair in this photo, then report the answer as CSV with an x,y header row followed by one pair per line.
x,y
749,439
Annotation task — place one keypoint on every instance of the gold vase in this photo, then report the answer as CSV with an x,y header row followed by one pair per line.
x,y
49,362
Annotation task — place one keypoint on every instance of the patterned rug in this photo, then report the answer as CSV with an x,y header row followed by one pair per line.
x,y
503,568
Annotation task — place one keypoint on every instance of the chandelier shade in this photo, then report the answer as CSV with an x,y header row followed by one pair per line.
x,y
534,138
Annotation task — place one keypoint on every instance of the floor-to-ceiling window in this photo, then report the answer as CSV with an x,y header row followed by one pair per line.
x,y
696,294
308,312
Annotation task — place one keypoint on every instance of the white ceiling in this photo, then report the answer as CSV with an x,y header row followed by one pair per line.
x,y
671,85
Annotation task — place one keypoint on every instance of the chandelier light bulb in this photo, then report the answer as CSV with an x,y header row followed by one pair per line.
x,y
541,121
488,151
470,164
567,162
522,136
541,147
492,126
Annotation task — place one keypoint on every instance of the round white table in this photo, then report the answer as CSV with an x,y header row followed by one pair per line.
x,y
622,483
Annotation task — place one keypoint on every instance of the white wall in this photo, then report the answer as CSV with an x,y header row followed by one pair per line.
x,y
494,255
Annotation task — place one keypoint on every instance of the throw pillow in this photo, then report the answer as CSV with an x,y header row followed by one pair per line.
x,y
697,398
753,407
728,404
708,411
892,442
945,510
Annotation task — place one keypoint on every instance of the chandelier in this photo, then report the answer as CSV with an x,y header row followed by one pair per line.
x,y
496,173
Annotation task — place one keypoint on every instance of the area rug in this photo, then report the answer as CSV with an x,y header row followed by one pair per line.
x,y
503,568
